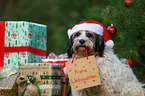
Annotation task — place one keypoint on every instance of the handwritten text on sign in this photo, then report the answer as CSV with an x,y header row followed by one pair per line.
x,y
83,73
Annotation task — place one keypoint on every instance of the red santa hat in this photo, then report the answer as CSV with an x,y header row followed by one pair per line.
x,y
92,26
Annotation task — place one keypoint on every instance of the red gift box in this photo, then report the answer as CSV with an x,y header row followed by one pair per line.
x,y
57,61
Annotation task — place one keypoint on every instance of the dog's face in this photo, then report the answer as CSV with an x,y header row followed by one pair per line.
x,y
83,40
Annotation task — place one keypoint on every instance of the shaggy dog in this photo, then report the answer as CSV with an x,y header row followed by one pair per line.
x,y
117,77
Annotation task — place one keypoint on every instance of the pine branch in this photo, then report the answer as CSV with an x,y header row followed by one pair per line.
x,y
123,22
138,61
119,8
138,14
142,59
115,17
129,37
132,19
135,11
120,19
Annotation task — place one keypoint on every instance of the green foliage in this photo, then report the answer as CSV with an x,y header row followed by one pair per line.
x,y
130,23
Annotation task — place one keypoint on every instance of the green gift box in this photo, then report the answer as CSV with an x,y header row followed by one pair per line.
x,y
50,76
22,42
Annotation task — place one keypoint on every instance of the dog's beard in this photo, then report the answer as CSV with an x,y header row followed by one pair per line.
x,y
89,46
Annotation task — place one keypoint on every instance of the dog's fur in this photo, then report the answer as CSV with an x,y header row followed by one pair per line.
x,y
116,76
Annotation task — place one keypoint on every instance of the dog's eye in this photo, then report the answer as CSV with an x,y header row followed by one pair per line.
x,y
89,35
77,34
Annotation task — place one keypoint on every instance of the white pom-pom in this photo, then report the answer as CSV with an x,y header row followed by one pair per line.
x,y
109,44
65,71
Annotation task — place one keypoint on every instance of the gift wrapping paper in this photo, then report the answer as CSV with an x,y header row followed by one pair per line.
x,y
7,92
57,61
28,86
8,86
22,42
50,76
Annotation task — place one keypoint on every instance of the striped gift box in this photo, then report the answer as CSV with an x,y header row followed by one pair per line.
x,y
50,76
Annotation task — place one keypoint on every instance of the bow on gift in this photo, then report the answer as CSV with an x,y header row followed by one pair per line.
x,y
24,81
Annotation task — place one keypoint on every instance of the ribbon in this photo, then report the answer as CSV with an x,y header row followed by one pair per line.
x,y
25,49
27,82
16,48
76,53
2,40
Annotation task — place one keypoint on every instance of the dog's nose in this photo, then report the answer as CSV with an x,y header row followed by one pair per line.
x,y
82,41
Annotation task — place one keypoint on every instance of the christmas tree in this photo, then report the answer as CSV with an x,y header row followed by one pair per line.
x,y
128,16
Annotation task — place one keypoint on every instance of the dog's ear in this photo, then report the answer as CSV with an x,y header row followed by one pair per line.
x,y
99,45
69,47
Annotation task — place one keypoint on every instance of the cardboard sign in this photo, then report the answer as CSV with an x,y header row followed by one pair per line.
x,y
83,73
141,93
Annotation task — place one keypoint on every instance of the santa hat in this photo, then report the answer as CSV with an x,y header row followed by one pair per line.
x,y
92,26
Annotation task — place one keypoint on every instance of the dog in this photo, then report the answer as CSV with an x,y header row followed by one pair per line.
x,y
116,76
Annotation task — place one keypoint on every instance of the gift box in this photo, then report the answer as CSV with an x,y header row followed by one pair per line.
x,y
50,75
8,86
29,86
57,59
22,42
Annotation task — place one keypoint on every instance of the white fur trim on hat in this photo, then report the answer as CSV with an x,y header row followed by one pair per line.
x,y
96,28
109,44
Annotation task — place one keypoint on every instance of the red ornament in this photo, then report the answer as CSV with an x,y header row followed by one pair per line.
x,y
112,30
127,3
131,62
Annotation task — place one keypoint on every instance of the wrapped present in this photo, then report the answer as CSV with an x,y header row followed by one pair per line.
x,y
50,75
22,42
8,86
29,86
57,59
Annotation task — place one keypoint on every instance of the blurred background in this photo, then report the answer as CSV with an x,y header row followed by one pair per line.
x,y
60,15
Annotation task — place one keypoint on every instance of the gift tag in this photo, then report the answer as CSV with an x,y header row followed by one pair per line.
x,y
83,73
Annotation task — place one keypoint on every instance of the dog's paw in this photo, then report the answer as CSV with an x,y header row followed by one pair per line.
x,y
65,71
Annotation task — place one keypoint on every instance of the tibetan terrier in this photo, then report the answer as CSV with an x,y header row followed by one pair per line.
x,y
116,76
